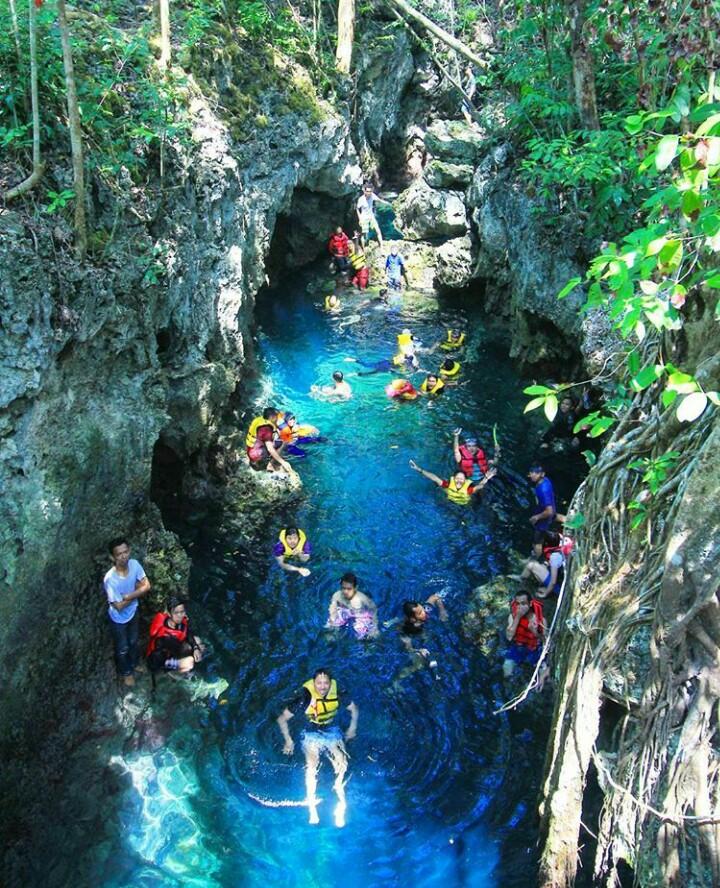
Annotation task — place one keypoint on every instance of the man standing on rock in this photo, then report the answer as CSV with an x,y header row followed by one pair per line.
x,y
545,510
124,584
365,208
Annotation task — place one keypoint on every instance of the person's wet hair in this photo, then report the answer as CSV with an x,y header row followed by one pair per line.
x,y
349,577
173,602
409,608
322,671
117,541
291,531
337,376
269,412
551,538
448,364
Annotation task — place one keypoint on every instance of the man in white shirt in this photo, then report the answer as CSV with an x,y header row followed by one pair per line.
x,y
125,583
365,209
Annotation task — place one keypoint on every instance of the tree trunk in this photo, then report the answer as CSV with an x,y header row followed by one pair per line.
x,y
345,35
38,166
76,144
439,32
164,15
582,65
16,32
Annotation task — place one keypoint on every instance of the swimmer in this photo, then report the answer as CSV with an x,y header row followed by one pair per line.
x,y
340,390
292,543
432,385
332,303
401,390
320,702
449,369
351,607
459,488
455,339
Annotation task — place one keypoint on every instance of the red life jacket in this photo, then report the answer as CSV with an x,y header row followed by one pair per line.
x,y
339,245
362,277
160,629
523,635
567,544
467,460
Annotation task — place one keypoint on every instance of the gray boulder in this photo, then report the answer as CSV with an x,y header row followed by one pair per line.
x,y
455,141
455,263
439,174
423,213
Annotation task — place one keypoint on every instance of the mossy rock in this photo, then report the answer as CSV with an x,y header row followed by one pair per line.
x,y
439,174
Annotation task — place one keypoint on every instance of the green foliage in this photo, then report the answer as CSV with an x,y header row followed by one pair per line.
x,y
58,200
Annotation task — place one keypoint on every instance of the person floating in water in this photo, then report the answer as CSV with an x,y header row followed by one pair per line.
x,y
351,607
320,701
291,434
172,646
293,543
365,209
332,303
432,385
455,339
449,369
260,446
395,270
459,489
125,583
470,457
340,390
339,247
525,630
545,511
401,390
415,619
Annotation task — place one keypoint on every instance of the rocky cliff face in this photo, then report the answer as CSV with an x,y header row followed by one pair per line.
x,y
141,351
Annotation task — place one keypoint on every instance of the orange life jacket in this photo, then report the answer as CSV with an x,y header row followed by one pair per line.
x,y
160,629
523,634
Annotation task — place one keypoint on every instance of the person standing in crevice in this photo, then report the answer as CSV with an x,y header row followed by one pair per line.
x,y
125,583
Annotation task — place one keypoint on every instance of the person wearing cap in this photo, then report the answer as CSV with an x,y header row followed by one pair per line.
x,y
545,510
470,457
340,389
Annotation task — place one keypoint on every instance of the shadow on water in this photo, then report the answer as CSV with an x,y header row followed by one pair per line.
x,y
436,795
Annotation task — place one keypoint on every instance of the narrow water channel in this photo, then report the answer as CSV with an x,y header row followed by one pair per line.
x,y
430,758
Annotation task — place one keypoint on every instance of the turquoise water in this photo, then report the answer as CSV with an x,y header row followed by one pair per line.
x,y
432,794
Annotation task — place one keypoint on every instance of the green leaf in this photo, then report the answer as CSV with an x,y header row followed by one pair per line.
x,y
707,125
654,247
713,282
572,522
682,383
634,124
590,457
646,377
649,288
633,363
569,287
551,407
538,390
601,426
532,405
666,151
637,520
671,254
714,397
668,397
692,406
691,203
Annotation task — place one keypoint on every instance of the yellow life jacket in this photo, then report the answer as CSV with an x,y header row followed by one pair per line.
x,y
451,343
438,387
399,359
461,496
322,710
329,306
452,372
358,260
251,436
404,340
302,539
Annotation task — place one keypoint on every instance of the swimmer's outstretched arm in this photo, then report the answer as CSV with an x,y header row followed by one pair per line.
x,y
428,475
291,568
282,721
352,728
440,605
488,477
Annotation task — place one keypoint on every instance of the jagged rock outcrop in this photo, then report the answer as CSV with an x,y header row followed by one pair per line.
x,y
424,213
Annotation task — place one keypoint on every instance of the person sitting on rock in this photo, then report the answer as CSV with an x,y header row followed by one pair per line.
x,y
459,489
340,389
293,544
358,261
525,631
562,427
547,563
172,646
395,270
339,246
259,443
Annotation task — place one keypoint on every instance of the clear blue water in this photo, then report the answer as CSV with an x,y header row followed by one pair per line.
x,y
428,797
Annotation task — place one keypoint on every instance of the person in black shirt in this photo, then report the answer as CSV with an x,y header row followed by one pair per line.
x,y
320,701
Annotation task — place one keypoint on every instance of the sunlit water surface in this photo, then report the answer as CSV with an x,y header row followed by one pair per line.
x,y
430,757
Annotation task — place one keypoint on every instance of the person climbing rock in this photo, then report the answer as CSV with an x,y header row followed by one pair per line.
x,y
353,608
293,544
395,270
339,247
525,630
432,385
172,646
125,583
365,208
320,701
561,429
358,261
260,446
547,563
459,489
545,510
470,457
340,388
